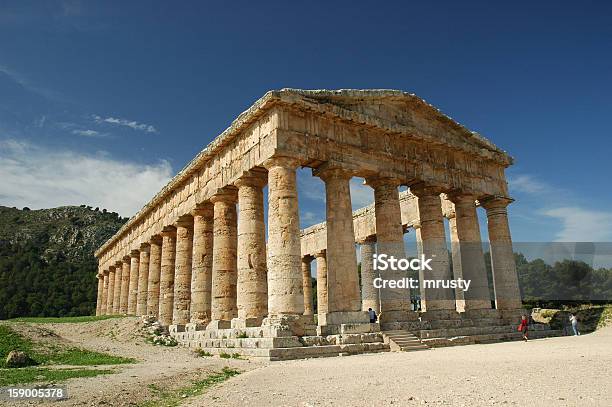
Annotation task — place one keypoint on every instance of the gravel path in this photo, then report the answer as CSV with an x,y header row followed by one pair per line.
x,y
566,371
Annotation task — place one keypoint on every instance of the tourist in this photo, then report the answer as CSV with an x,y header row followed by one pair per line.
x,y
524,327
372,314
574,322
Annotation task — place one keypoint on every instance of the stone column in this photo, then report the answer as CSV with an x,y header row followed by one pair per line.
x,y
202,265
182,274
394,302
100,278
505,277
433,242
307,285
369,294
166,280
133,290
105,278
252,284
342,277
321,282
111,291
143,279
155,257
285,293
125,285
225,242
468,257
456,257
117,291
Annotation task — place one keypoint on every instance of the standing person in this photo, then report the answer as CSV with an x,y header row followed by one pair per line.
x,y
372,314
524,327
574,322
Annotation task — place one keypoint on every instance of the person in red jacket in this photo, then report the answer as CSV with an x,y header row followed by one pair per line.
x,y
524,327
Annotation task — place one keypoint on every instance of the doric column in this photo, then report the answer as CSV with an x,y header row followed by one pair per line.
x,y
342,277
104,308
390,241
433,242
143,280
182,274
166,279
125,285
155,257
456,257
117,291
285,293
133,290
100,278
111,291
225,242
252,284
202,264
307,285
505,277
369,294
468,257
322,302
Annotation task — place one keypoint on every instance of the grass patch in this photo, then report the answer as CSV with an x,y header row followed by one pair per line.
x,y
52,354
42,374
224,355
172,398
63,320
202,353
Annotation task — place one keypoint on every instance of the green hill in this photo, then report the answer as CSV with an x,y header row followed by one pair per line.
x,y
47,266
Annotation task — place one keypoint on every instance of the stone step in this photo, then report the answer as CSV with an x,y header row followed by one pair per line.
x,y
400,340
475,330
488,338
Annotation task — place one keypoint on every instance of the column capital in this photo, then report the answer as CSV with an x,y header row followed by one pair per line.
x,y
320,253
378,181
333,169
367,239
495,202
126,259
119,264
135,253
105,272
227,194
307,258
156,239
205,209
458,197
285,162
256,177
185,221
168,231
145,247
424,189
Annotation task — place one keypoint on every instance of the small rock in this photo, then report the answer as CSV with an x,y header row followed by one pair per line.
x,y
16,358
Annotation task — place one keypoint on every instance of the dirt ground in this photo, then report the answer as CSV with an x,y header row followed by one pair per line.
x,y
566,371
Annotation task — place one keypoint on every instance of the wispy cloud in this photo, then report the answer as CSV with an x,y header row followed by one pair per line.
x,y
88,133
23,81
127,123
40,177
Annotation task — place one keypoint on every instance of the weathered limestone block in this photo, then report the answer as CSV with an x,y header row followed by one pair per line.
x,y
202,264
307,285
133,288
285,292
182,275
321,282
505,277
154,276
143,279
117,291
166,280
252,285
390,241
467,254
342,278
225,244
111,291
433,236
369,294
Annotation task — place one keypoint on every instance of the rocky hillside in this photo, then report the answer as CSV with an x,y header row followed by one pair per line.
x,y
47,267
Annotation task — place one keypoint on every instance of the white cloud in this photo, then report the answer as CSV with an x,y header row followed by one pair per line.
x,y
528,184
26,84
127,123
582,225
39,177
88,133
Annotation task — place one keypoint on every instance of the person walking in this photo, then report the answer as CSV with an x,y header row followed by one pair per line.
x,y
524,327
574,322
373,316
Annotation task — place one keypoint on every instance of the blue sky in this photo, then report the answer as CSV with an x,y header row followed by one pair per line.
x,y
102,102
